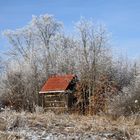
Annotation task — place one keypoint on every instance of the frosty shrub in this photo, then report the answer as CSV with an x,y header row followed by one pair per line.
x,y
127,102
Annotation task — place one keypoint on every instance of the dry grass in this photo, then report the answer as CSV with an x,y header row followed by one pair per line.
x,y
39,125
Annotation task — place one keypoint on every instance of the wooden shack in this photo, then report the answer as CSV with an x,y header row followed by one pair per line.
x,y
58,92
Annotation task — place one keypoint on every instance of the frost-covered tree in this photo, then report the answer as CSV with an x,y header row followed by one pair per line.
x,y
42,48
95,55
31,50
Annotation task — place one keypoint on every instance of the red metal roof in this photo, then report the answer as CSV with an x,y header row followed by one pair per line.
x,y
57,83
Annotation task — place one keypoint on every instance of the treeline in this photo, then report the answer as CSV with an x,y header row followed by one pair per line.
x,y
42,48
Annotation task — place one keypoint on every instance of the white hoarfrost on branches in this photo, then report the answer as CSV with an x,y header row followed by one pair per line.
x,y
42,48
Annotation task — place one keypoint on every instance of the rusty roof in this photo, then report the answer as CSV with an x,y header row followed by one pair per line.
x,y
57,83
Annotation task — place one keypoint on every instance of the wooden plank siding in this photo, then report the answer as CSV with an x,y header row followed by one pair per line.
x,y
58,92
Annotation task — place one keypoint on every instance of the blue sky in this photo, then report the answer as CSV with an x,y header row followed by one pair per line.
x,y
122,18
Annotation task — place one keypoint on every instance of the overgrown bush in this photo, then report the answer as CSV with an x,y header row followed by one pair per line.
x,y
127,102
